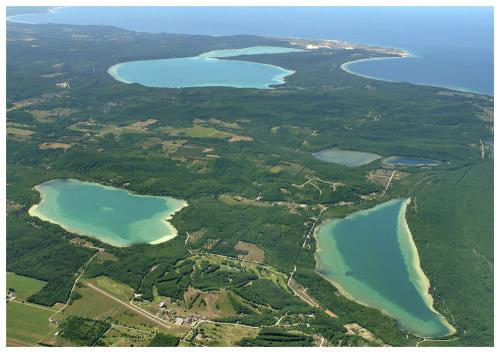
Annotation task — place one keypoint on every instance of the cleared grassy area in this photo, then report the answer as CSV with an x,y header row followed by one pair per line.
x,y
24,286
221,335
19,132
122,336
95,305
253,252
209,304
197,131
117,289
92,305
26,324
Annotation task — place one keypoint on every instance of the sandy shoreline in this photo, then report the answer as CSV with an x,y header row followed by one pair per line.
x,y
417,275
419,279
51,10
345,66
113,72
172,231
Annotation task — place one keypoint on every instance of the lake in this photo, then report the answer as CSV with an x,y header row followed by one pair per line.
x,y
346,157
410,161
371,258
451,46
114,216
205,70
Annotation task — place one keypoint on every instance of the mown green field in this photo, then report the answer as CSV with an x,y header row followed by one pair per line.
x,y
27,325
24,286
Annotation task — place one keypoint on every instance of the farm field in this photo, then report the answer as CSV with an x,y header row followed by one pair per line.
x,y
24,286
27,325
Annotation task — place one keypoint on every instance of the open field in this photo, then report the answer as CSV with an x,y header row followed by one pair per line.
x,y
196,131
20,133
26,324
221,335
253,252
24,286
119,290
123,336
208,304
54,146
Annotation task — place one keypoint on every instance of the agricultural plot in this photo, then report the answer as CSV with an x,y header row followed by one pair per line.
x,y
26,324
221,335
19,133
196,130
251,251
24,286
123,336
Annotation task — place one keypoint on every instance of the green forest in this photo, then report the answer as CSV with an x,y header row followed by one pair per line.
x,y
267,191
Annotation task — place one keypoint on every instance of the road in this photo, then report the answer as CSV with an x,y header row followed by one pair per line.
x,y
130,306
33,305
74,285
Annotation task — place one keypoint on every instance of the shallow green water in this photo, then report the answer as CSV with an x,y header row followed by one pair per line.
x,y
370,256
346,157
205,70
114,216
410,161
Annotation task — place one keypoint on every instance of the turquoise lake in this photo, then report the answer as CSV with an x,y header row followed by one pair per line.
x,y
371,258
205,70
114,216
410,161
346,157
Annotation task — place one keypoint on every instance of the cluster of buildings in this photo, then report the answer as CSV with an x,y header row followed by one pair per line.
x,y
11,294
171,315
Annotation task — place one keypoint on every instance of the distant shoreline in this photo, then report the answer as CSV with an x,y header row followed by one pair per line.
x,y
345,66
53,9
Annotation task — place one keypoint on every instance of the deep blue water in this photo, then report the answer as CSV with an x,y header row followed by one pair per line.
x,y
452,47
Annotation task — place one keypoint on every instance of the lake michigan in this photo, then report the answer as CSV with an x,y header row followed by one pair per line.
x,y
450,47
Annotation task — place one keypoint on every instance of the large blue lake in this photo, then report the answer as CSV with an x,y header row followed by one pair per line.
x,y
205,70
452,47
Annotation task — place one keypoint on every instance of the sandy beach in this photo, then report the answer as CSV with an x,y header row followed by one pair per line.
x,y
172,230
417,275
113,71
